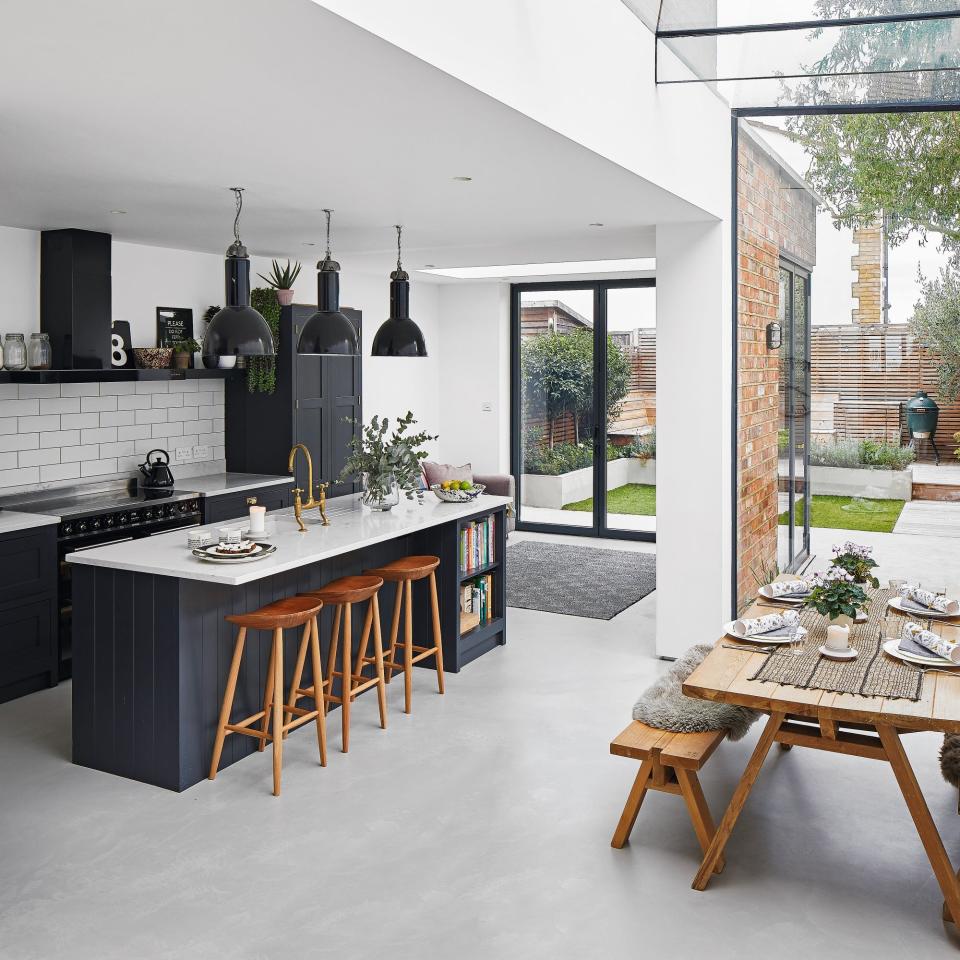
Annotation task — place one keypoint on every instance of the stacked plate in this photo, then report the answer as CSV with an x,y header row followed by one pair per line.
x,y
243,552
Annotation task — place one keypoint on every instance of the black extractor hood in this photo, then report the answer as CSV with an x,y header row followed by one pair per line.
x,y
75,297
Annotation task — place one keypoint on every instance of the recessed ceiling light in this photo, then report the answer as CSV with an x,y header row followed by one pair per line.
x,y
309,243
594,224
429,266
463,179
118,211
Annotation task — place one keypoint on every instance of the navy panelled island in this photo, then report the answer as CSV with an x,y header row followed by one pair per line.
x,y
151,649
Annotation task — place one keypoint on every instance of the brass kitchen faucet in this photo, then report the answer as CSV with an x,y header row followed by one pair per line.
x,y
298,505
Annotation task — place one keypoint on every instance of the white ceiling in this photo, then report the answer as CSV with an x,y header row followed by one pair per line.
x,y
156,108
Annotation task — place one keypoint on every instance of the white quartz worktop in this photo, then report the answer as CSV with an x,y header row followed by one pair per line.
x,y
218,483
352,527
11,521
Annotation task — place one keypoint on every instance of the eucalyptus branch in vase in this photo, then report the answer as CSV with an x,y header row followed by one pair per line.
x,y
386,462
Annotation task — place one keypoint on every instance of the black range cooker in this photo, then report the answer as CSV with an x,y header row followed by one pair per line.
x,y
98,515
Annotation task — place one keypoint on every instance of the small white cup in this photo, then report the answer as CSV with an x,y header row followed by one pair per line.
x,y
198,538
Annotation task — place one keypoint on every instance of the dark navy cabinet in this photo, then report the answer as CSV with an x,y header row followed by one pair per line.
x,y
28,611
232,506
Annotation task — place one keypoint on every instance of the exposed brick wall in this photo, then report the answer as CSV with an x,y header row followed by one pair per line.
x,y
867,289
774,216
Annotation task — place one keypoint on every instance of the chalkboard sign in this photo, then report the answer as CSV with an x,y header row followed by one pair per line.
x,y
173,325
121,354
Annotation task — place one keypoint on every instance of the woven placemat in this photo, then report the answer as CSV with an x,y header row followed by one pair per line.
x,y
872,674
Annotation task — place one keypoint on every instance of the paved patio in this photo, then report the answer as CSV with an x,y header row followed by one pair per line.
x,y
929,518
578,518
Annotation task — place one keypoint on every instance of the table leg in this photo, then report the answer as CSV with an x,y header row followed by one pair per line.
x,y
739,798
927,829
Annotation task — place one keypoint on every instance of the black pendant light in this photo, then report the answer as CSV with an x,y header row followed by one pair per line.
x,y
399,336
328,330
237,329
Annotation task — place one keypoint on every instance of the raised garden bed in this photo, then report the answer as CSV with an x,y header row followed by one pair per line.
x,y
555,492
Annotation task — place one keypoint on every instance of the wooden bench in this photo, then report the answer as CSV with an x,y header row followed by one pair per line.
x,y
669,763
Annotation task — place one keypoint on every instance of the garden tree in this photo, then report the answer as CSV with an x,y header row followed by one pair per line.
x,y
936,322
557,377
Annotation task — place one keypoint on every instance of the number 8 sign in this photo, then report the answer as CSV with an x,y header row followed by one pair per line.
x,y
121,354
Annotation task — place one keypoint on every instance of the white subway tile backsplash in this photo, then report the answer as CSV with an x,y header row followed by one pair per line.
x,y
78,421
60,471
135,402
62,433
97,468
153,386
99,435
97,404
90,451
134,433
79,389
20,441
167,400
34,391
16,478
151,416
19,408
117,418
60,405
60,438
36,424
123,389
38,458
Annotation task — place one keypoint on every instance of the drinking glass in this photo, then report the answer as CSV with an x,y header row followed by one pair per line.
x,y
798,641
895,583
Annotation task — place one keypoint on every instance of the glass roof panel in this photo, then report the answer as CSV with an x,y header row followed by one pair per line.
x,y
835,52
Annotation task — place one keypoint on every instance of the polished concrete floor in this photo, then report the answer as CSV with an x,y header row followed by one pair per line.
x,y
479,827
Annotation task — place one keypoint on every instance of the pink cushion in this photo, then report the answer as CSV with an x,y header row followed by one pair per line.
x,y
438,472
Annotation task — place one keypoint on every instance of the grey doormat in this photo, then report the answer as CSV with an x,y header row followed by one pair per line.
x,y
577,581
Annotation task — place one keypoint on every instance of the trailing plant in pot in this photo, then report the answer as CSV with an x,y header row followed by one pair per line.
x,y
386,463
836,596
183,352
282,280
857,560
262,371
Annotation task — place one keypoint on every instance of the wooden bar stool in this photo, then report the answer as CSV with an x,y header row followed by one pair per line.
x,y
403,573
342,594
278,616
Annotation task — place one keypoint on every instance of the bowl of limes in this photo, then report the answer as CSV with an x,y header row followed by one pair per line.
x,y
457,491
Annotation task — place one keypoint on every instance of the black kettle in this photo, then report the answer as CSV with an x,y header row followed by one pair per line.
x,y
156,472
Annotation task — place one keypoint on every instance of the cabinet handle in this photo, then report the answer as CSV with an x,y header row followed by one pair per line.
x,y
251,501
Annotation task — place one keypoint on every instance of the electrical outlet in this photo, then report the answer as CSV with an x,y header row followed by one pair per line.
x,y
182,455
486,406
201,453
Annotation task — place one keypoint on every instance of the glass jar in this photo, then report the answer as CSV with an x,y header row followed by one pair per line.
x,y
14,352
39,352
380,491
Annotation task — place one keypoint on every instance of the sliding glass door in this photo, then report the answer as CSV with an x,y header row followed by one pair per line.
x,y
584,407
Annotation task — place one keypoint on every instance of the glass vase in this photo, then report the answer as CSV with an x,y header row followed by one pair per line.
x,y
380,491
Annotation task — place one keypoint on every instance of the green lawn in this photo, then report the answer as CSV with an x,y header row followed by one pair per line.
x,y
635,498
852,513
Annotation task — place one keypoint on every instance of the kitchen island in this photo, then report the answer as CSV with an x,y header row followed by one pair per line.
x,y
151,647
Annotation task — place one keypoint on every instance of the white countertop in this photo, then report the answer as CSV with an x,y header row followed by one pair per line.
x,y
352,527
217,483
11,521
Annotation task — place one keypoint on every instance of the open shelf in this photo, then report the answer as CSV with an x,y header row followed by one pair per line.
x,y
480,571
109,376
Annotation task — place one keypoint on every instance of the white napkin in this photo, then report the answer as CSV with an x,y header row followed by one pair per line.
x,y
930,600
931,642
759,626
789,588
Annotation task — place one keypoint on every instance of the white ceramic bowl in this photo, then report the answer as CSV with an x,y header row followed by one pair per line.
x,y
227,362
458,496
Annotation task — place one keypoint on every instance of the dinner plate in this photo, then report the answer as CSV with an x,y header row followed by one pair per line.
x,y
897,604
760,638
767,594
893,648
265,549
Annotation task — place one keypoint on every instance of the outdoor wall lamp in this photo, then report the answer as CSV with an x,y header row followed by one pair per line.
x,y
774,336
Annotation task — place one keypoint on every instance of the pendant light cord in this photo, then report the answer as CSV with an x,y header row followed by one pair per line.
x,y
238,191
399,229
328,212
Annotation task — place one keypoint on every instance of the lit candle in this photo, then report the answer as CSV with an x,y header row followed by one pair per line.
x,y
257,515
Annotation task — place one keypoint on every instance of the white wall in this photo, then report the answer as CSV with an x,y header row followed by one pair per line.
x,y
694,396
20,289
475,338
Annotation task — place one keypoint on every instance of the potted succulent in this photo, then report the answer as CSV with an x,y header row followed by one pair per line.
x,y
282,280
837,596
183,351
387,464
857,560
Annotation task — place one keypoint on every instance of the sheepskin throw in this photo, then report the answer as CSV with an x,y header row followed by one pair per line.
x,y
950,759
665,707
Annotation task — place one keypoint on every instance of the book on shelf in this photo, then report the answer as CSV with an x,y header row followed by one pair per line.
x,y
477,544
476,600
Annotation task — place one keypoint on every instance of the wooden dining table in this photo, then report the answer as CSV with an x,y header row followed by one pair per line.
x,y
842,723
